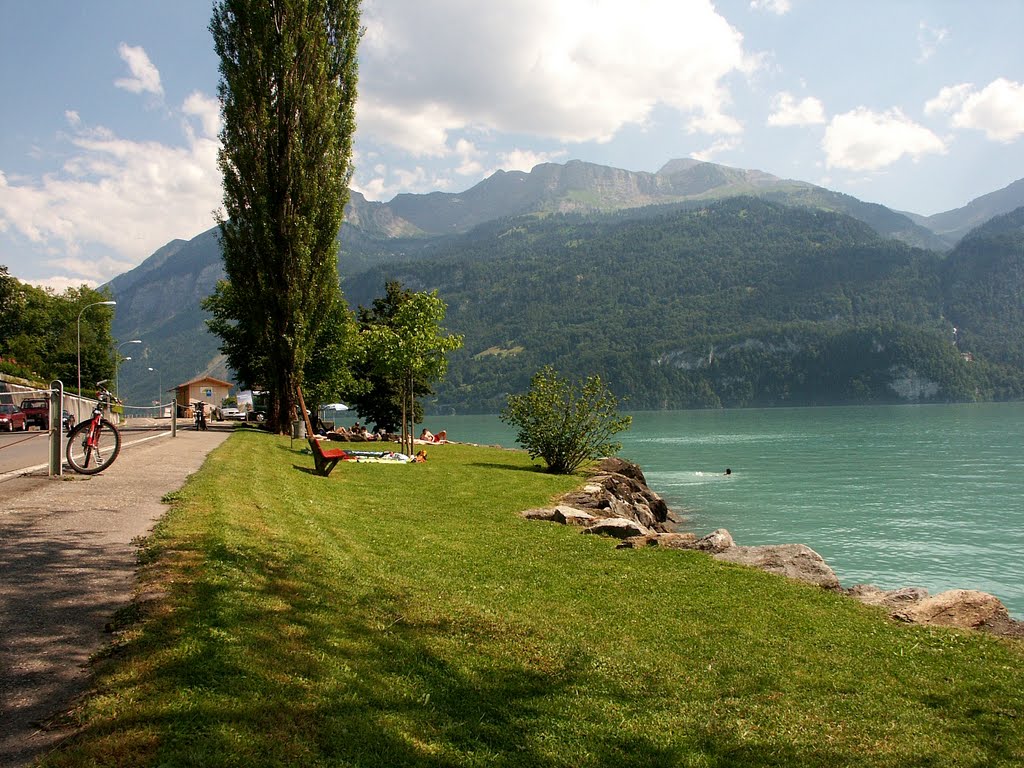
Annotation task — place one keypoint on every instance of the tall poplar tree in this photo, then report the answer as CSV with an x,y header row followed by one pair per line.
x,y
287,92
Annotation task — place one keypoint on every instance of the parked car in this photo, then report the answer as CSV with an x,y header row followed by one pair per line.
x,y
232,413
12,418
37,412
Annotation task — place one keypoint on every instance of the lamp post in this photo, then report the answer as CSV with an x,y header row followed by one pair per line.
x,y
159,392
118,361
78,402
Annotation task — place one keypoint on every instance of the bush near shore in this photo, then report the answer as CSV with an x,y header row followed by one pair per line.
x,y
407,616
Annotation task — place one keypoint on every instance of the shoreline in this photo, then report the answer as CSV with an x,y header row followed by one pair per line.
x,y
616,501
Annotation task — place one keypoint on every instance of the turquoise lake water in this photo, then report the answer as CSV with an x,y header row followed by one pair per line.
x,y
929,496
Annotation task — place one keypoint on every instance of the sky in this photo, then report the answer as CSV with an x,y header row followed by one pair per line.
x,y
109,117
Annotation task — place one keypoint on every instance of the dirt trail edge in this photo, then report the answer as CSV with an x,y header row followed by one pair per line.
x,y
67,564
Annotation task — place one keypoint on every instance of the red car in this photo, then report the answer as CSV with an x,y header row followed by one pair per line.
x,y
12,418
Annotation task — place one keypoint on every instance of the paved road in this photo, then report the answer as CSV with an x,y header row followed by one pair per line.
x,y
23,449
67,563
28,449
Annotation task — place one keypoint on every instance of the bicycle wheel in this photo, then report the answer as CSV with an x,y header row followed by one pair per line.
x,y
86,459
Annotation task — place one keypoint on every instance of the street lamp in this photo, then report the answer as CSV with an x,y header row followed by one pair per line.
x,y
159,392
79,324
118,361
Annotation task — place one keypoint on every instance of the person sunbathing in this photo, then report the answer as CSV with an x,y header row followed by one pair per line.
x,y
441,437
340,434
426,435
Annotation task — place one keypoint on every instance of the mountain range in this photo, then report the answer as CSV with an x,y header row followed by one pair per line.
x,y
496,250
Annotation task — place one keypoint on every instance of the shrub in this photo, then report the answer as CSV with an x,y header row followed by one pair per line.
x,y
563,423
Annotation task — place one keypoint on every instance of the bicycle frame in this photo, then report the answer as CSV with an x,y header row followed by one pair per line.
x,y
97,415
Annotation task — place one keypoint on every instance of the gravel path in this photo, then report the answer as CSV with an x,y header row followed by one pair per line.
x,y
67,563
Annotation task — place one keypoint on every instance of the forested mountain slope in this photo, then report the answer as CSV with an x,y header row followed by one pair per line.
x,y
743,302
983,280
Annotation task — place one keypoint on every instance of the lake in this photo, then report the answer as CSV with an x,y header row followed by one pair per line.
x,y
929,496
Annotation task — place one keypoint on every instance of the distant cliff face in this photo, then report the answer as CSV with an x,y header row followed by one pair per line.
x,y
579,187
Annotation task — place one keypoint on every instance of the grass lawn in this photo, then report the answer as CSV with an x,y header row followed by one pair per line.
x,y
406,616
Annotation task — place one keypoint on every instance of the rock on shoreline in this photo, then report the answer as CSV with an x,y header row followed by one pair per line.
x,y
616,502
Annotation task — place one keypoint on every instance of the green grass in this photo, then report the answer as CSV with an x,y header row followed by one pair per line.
x,y
406,616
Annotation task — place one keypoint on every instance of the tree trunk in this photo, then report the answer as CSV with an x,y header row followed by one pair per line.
x,y
411,399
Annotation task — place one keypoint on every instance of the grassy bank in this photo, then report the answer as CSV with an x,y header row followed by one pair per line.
x,y
405,616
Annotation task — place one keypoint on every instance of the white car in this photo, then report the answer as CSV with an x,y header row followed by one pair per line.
x,y
232,413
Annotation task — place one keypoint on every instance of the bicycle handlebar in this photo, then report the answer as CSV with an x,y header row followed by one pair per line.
x,y
105,395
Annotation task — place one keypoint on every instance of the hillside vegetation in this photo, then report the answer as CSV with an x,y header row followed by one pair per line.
x,y
739,303
407,616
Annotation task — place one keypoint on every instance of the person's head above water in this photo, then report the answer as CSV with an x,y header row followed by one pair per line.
x,y
728,471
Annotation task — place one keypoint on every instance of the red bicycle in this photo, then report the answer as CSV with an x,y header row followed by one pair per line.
x,y
94,444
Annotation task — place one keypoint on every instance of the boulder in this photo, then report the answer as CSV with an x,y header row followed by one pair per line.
x,y
675,518
616,527
615,465
571,516
611,494
665,540
717,541
964,608
891,599
795,561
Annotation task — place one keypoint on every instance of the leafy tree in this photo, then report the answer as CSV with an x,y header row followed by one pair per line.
x,y
287,91
8,297
328,374
376,396
563,423
39,332
411,348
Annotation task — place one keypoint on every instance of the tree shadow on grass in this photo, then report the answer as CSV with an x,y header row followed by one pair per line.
x,y
513,467
270,659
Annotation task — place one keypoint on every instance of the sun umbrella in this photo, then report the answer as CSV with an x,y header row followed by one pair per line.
x,y
336,407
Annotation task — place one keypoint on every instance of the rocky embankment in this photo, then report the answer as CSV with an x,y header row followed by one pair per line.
x,y
617,502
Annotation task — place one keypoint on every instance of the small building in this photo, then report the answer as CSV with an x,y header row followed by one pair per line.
x,y
206,389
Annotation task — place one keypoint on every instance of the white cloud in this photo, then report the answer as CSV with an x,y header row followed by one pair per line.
x,y
998,110
60,283
950,99
572,71
470,158
928,41
206,109
526,160
113,202
145,77
717,148
863,140
778,7
386,181
788,111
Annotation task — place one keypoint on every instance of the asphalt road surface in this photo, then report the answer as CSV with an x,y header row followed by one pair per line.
x,y
67,564
22,450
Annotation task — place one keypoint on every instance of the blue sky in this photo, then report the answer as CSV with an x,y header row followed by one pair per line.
x,y
108,139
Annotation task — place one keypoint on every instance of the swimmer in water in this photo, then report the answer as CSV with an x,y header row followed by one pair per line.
x,y
728,471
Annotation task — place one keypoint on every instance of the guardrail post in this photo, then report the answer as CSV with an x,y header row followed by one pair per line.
x,y
56,428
